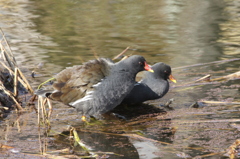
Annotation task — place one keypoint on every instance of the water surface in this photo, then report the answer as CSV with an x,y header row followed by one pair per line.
x,y
62,33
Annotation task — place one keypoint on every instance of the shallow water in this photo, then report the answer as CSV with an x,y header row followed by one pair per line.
x,y
179,33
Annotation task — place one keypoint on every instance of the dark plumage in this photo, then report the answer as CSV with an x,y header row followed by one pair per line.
x,y
152,86
97,86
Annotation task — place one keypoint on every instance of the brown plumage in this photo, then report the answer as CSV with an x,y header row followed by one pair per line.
x,y
97,86
74,82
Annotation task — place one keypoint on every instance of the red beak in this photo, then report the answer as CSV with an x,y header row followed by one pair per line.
x,y
147,67
172,78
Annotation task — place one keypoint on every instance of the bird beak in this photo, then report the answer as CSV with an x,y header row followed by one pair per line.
x,y
172,79
147,67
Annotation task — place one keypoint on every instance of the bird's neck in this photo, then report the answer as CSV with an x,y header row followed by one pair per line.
x,y
157,85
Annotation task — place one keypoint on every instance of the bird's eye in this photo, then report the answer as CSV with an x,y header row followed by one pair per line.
x,y
167,73
140,63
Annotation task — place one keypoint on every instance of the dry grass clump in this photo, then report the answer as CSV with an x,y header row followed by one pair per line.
x,y
11,78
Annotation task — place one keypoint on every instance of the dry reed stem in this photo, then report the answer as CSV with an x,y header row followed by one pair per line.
x,y
15,83
40,142
11,95
6,58
28,87
8,45
43,119
228,77
204,78
42,112
221,102
8,55
50,108
23,81
43,109
11,72
123,52
38,109
42,101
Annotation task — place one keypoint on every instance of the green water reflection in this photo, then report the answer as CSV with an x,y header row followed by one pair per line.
x,y
179,33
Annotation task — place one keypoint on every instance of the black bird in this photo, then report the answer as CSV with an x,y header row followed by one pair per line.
x,y
152,85
97,86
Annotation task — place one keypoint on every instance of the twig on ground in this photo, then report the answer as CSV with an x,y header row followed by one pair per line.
x,y
221,102
205,78
228,77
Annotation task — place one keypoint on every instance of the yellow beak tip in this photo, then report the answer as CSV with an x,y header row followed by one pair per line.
x,y
151,71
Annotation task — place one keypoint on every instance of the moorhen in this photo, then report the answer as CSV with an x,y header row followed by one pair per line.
x,y
97,86
152,85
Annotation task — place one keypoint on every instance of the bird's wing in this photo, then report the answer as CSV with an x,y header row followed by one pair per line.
x,y
74,82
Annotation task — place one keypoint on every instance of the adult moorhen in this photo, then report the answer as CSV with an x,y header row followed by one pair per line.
x,y
97,86
152,86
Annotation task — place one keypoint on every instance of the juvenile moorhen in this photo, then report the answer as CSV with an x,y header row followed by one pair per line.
x,y
152,86
97,86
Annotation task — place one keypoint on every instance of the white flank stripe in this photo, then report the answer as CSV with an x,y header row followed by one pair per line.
x,y
95,85
89,93
86,98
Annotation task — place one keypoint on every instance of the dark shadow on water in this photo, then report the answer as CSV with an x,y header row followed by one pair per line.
x,y
138,110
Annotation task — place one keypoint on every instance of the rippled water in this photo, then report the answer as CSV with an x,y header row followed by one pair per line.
x,y
61,33
66,32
